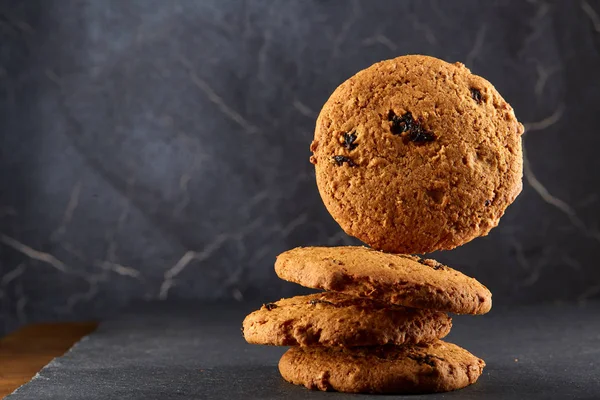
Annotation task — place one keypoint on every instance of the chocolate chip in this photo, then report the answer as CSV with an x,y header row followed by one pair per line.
x,y
406,123
401,124
339,160
476,95
487,203
270,306
349,139
420,135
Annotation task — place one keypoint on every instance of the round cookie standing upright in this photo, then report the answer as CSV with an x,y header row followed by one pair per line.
x,y
414,155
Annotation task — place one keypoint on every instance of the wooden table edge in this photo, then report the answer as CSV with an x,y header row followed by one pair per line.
x,y
26,351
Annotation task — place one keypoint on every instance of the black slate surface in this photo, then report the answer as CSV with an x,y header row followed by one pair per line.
x,y
196,352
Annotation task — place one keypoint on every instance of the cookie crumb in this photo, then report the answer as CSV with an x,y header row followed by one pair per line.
x,y
431,263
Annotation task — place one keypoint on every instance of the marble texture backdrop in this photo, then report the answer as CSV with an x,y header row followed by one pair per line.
x,y
154,149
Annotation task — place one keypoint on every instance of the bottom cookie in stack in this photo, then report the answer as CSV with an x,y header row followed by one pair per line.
x,y
377,330
426,368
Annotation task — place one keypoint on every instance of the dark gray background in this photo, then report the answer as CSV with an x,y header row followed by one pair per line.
x,y
158,149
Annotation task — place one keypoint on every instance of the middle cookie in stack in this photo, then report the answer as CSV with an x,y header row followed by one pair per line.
x,y
377,329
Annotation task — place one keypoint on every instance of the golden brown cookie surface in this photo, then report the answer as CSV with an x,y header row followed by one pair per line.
x,y
437,367
391,278
414,155
337,319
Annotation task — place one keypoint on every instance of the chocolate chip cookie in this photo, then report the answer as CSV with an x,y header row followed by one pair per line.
x,y
391,278
414,155
337,319
437,367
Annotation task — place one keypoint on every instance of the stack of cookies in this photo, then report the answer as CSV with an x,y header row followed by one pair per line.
x,y
412,155
378,326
